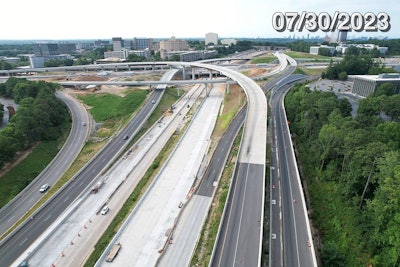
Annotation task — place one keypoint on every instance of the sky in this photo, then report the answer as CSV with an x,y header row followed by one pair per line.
x,y
90,19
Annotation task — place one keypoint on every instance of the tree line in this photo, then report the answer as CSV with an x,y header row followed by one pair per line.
x,y
40,116
356,61
350,166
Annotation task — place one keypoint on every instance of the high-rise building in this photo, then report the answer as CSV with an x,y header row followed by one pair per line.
x,y
66,48
211,38
173,45
142,43
117,43
342,36
45,49
338,37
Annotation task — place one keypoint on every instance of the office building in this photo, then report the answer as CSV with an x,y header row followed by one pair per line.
x,y
45,49
117,43
142,43
173,45
211,38
365,85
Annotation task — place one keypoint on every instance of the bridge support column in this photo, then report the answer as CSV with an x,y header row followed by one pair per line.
x,y
193,73
208,89
227,88
183,73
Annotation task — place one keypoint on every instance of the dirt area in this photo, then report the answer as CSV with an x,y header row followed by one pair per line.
x,y
254,72
20,156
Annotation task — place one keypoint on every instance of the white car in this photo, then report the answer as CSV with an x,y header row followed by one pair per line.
x,y
44,188
105,210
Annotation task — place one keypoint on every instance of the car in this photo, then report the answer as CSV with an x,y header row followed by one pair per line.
x,y
126,137
44,188
153,101
84,124
105,210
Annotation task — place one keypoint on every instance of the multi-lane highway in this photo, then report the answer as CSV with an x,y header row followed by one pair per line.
x,y
24,236
24,201
291,241
242,246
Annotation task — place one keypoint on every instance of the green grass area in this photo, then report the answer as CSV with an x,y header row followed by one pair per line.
x,y
225,119
309,71
295,54
20,176
263,60
108,106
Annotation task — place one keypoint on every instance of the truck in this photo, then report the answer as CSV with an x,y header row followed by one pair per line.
x,y
113,252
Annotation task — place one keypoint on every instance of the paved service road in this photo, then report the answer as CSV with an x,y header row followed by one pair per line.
x,y
24,201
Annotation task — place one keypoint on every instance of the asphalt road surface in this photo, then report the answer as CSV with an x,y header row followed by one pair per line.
x,y
24,236
291,241
24,201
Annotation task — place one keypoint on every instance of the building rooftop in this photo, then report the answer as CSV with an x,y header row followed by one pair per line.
x,y
380,77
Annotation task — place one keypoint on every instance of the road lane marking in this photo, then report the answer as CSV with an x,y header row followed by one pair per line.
x,y
20,244
10,218
48,217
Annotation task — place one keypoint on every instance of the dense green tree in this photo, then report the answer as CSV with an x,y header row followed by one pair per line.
x,y
385,211
5,65
391,106
135,58
322,51
385,89
40,116
351,169
342,76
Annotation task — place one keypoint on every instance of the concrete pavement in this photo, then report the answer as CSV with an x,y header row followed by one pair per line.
x,y
81,226
147,231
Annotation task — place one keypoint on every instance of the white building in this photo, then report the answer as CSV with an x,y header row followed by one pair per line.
x,y
365,85
228,41
343,47
121,54
211,38
314,50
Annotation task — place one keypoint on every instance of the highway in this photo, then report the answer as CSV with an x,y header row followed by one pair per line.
x,y
30,230
78,135
251,173
291,241
193,216
242,246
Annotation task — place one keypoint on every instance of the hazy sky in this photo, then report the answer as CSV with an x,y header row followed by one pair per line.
x,y
89,19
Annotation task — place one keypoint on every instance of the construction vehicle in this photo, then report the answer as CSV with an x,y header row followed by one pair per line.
x,y
113,252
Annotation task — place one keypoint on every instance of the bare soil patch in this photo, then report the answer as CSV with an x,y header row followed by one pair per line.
x,y
255,72
20,156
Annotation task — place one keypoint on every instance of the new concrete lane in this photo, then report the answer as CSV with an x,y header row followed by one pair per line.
x,y
242,247
194,214
148,228
24,201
